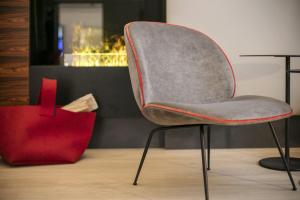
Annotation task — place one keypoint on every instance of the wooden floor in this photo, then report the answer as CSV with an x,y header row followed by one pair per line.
x,y
167,174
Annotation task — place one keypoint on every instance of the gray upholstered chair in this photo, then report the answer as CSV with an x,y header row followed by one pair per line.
x,y
181,77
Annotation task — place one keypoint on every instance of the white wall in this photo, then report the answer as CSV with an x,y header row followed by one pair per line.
x,y
249,27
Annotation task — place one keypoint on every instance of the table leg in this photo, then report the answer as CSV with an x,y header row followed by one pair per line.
x,y
276,163
288,100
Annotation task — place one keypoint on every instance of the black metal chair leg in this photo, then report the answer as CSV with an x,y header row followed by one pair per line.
x,y
204,167
208,147
282,156
145,153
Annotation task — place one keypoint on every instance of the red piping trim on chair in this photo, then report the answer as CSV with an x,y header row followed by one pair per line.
x,y
138,63
215,119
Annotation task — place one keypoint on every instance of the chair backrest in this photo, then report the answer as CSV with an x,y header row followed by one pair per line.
x,y
171,63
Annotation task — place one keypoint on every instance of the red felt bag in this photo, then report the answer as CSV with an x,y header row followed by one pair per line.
x,y
44,133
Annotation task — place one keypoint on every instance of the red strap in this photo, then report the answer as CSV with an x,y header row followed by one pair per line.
x,y
47,98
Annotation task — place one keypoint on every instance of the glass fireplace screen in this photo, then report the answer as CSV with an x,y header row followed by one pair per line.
x,y
81,41
74,33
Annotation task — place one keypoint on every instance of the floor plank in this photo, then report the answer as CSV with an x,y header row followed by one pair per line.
x,y
167,174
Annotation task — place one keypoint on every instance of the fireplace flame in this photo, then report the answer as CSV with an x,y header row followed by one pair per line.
x,y
88,49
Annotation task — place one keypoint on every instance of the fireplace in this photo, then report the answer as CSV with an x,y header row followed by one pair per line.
x,y
80,43
82,40
89,33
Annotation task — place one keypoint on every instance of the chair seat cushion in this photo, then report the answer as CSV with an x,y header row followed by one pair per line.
x,y
235,111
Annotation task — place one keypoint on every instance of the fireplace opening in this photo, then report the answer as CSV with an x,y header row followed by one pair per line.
x,y
81,40
76,33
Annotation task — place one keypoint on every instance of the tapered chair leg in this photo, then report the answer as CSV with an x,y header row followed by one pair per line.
x,y
282,156
204,167
145,153
208,147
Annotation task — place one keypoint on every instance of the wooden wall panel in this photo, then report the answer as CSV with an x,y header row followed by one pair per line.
x,y
14,52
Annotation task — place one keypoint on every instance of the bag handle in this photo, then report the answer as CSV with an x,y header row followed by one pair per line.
x,y
47,98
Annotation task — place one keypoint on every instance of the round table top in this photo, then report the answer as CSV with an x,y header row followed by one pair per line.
x,y
271,55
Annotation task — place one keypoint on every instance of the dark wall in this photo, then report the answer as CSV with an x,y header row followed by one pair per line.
x,y
110,85
14,39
